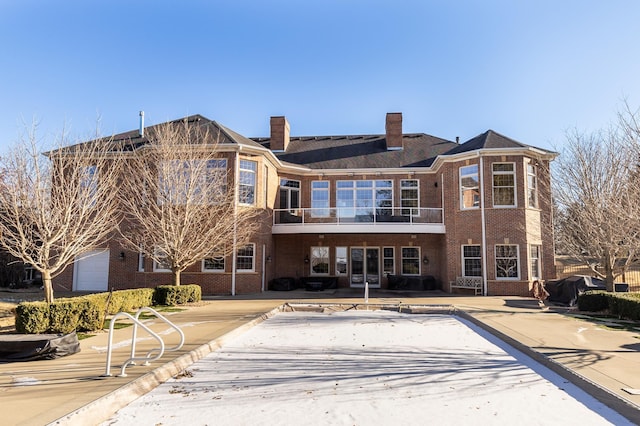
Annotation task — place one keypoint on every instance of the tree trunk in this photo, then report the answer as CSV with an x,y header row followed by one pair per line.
x,y
48,287
176,277
608,269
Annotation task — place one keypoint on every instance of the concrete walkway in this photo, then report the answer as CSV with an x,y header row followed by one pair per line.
x,y
70,390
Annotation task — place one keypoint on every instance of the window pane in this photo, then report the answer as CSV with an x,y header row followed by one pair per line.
x,y
471,261
469,187
507,261
411,261
319,260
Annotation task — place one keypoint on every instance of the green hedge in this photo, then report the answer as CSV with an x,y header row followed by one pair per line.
x,y
87,313
172,295
622,305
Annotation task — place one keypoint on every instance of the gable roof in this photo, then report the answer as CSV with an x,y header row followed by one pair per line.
x,y
488,140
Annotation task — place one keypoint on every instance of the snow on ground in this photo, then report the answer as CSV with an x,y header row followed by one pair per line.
x,y
366,368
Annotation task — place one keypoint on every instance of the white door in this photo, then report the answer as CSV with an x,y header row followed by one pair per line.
x,y
91,271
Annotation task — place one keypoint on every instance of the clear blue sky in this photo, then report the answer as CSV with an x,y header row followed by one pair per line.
x,y
527,69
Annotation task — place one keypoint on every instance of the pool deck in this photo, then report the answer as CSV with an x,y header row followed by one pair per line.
x,y
71,390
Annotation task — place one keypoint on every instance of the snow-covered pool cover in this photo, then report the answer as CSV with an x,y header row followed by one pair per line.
x,y
366,368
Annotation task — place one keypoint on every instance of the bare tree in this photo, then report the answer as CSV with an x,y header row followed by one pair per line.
x,y
179,200
597,195
56,206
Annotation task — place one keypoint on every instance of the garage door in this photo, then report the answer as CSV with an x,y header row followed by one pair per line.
x,y
91,271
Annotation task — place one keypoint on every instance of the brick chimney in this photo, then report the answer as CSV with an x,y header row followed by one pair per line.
x,y
279,133
393,130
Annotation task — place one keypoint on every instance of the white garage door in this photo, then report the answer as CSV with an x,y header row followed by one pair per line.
x,y
91,271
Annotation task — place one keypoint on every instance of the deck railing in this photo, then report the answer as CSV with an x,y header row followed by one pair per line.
x,y
355,215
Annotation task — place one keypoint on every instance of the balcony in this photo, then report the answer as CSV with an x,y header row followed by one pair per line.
x,y
358,220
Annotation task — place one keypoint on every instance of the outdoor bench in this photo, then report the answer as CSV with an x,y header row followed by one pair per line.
x,y
473,283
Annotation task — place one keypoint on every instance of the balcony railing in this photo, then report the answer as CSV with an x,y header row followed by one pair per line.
x,y
387,218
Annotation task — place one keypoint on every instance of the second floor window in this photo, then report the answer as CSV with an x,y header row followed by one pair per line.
x,y
469,187
247,184
192,181
89,182
504,185
532,186
320,198
409,198
290,195
364,197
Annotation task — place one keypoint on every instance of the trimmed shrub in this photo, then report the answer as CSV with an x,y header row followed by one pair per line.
x,y
593,301
128,300
32,317
625,306
64,315
83,313
172,295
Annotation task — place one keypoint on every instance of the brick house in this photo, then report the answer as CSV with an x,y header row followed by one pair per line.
x,y
392,210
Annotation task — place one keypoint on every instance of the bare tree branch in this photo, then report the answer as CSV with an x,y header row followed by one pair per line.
x,y
598,199
179,199
53,210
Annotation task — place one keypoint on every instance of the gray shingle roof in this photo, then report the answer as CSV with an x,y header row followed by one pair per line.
x,y
488,140
361,151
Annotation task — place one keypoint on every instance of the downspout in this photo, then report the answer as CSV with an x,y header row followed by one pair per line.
x,y
235,224
484,228
264,266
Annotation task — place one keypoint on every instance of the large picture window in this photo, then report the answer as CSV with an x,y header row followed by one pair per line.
x,y
507,259
409,197
320,198
319,260
247,184
245,258
532,186
471,261
364,198
469,187
504,185
410,261
192,181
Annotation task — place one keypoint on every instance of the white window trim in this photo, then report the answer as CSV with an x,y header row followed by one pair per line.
x,y
518,261
393,258
415,210
255,181
253,259
322,209
346,257
539,272
141,259
419,261
462,258
537,189
288,190
311,272
214,271
156,265
515,186
461,189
